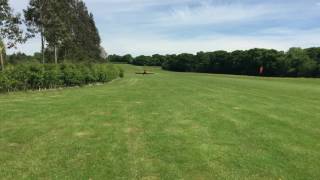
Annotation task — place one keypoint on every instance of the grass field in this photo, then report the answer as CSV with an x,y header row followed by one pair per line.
x,y
164,126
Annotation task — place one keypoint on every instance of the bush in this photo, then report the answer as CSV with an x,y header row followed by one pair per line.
x,y
88,74
17,77
72,75
4,82
52,76
37,76
121,73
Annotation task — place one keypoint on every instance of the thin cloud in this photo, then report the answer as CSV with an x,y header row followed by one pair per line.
x,y
212,14
164,45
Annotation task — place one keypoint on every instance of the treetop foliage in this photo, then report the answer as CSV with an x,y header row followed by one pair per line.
x,y
9,25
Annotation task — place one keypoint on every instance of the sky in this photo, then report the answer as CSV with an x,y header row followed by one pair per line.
x,y
187,26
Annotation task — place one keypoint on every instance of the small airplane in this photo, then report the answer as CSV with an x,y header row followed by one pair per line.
x,y
145,72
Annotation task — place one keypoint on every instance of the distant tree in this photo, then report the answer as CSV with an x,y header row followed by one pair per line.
x,y
37,56
127,58
218,61
274,63
114,58
19,57
314,53
238,59
300,64
158,59
181,63
203,62
142,60
186,62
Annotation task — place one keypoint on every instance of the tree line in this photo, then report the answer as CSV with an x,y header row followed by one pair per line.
x,y
296,62
66,28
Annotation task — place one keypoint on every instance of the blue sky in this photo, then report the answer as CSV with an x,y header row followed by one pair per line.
x,y
176,26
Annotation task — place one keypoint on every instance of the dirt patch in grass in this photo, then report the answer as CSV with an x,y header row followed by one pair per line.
x,y
107,124
83,134
150,178
13,145
101,113
132,130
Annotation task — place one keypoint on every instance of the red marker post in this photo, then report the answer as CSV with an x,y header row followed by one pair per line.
x,y
261,70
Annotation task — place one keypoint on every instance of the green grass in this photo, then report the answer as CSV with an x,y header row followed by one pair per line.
x,y
164,126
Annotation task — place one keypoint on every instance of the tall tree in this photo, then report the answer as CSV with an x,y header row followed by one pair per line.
x,y
57,25
66,25
2,54
35,19
9,29
86,38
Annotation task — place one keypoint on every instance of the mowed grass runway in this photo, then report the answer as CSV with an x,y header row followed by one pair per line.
x,y
164,126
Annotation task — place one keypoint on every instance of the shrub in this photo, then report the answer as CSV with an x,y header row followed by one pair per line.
x,y
102,73
121,73
88,74
112,72
52,76
37,76
4,83
71,75
18,77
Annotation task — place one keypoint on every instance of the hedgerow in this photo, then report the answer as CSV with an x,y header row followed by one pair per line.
x,y
36,76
